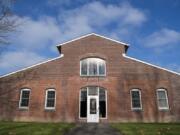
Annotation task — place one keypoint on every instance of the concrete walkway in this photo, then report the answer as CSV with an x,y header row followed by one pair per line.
x,y
93,129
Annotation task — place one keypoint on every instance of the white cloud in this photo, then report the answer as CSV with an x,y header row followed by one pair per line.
x,y
15,60
37,34
163,38
98,14
42,34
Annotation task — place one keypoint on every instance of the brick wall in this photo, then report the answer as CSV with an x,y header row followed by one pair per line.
x,y
63,74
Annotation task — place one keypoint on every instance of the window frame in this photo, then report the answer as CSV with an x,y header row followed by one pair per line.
x,y
88,75
166,97
80,102
136,108
20,100
87,89
46,97
105,101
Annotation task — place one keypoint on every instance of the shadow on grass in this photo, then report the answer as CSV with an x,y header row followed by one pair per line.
x,y
18,128
148,128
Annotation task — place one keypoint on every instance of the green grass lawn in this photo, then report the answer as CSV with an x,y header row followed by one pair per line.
x,y
148,129
24,128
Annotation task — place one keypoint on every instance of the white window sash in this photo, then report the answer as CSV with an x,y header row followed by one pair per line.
x,y
165,98
46,100
98,89
88,68
21,98
136,108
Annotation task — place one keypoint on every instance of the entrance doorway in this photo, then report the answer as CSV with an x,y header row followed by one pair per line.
x,y
93,104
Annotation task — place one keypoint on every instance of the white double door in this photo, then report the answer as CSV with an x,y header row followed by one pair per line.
x,y
93,108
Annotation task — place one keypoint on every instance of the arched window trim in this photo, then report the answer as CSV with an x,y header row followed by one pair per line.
x,y
97,66
20,98
136,108
50,108
166,94
98,95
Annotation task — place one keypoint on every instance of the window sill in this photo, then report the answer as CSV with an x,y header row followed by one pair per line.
x,y
137,109
92,75
86,118
23,108
50,109
164,109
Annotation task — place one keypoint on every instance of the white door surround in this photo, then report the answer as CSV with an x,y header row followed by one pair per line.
x,y
93,109
93,104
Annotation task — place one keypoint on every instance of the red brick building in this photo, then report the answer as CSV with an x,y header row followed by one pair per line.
x,y
93,80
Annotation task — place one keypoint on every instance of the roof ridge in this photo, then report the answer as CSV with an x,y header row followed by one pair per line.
x,y
86,35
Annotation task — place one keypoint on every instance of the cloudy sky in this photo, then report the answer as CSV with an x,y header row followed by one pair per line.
x,y
152,28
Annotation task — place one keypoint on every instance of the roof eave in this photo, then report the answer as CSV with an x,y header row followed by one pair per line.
x,y
78,38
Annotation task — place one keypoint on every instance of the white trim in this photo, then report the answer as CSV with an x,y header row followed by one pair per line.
x,y
87,98
90,35
93,117
50,108
80,104
136,108
124,55
98,75
166,98
106,106
20,100
62,55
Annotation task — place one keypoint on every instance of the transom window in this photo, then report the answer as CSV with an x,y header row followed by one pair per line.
x,y
136,99
162,99
50,99
92,67
24,98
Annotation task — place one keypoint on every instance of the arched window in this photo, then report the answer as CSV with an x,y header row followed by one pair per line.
x,y
92,67
24,98
162,99
136,103
50,101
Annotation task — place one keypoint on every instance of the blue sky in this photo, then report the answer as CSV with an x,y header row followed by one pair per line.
x,y
152,28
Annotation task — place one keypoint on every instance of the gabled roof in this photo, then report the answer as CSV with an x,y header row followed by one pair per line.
x,y
93,34
124,55
11,73
149,64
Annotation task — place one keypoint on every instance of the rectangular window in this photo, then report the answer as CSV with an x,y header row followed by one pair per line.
x,y
102,103
84,67
92,90
136,99
93,109
24,98
83,103
162,99
101,68
50,99
92,68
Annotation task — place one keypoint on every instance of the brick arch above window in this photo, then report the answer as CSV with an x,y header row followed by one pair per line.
x,y
93,55
93,85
